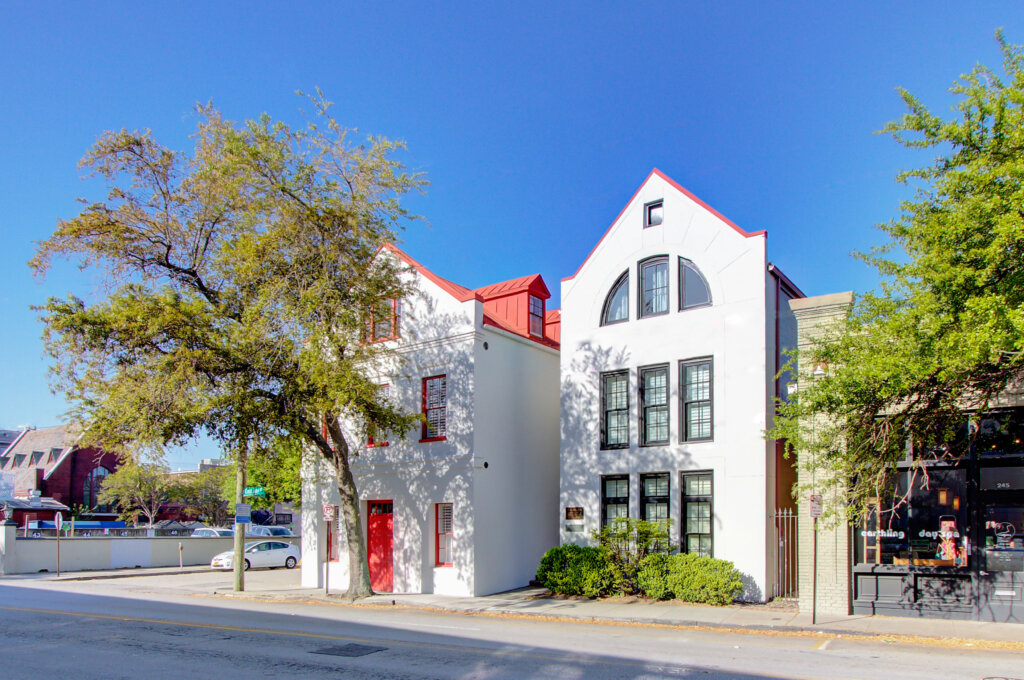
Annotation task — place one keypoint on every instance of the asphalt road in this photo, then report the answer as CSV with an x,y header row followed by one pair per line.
x,y
169,627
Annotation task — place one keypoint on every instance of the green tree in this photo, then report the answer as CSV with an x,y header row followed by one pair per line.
x,y
945,333
136,488
238,281
202,494
277,468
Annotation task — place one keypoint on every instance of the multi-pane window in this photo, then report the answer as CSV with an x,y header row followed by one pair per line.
x,y
697,514
696,396
654,405
693,289
654,497
443,535
536,316
654,286
373,435
435,407
615,410
384,322
616,305
654,213
614,498
91,490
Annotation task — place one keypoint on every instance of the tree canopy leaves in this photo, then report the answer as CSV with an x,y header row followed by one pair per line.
x,y
945,333
239,279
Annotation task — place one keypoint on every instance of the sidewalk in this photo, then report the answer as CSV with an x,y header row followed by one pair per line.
x,y
538,603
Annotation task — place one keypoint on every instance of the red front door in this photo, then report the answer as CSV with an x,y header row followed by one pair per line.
x,y
380,529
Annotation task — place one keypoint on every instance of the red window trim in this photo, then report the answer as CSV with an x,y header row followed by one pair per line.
x,y
423,435
371,326
438,534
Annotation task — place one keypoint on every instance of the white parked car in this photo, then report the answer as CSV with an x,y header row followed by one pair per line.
x,y
212,532
260,554
258,530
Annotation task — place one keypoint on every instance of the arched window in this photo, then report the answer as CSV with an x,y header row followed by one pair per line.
x,y
693,288
616,305
653,286
91,490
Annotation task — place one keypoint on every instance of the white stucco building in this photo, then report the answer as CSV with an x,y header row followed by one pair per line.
x,y
467,503
671,332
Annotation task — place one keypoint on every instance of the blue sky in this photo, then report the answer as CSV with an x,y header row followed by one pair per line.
x,y
534,122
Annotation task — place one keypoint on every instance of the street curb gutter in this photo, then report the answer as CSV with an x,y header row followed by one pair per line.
x,y
751,629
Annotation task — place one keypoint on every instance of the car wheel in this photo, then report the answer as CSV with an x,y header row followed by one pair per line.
x,y
289,563
246,567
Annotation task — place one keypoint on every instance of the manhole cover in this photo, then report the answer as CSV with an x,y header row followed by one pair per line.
x,y
349,650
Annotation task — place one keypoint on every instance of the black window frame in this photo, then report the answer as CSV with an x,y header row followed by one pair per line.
x,y
659,203
531,315
684,264
684,430
660,498
642,406
618,500
685,500
605,446
623,280
642,265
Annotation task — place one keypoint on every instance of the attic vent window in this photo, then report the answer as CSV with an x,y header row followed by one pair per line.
x,y
536,316
654,213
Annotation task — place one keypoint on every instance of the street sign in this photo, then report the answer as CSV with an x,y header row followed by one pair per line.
x,y
330,512
58,521
815,505
255,491
243,513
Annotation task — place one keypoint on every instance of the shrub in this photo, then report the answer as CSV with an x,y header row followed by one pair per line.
x,y
705,580
626,543
652,577
575,570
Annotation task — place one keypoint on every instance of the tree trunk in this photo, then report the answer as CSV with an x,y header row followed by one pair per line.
x,y
239,557
358,569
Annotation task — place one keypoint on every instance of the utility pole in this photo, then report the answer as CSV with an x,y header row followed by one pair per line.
x,y
241,461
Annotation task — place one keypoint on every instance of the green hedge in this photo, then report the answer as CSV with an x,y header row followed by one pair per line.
x,y
576,570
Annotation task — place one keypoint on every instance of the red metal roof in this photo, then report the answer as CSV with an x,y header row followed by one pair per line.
x,y
497,310
684,191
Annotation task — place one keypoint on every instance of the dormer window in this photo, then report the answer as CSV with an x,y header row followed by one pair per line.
x,y
536,316
654,213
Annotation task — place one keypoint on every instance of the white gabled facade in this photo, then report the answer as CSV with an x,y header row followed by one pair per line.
x,y
716,362
495,469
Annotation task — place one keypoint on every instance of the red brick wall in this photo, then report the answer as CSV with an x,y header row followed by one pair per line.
x,y
67,481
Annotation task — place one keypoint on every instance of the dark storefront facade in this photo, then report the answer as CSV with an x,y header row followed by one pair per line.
x,y
955,549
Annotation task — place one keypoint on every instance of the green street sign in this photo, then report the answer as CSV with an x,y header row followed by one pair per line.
x,y
255,491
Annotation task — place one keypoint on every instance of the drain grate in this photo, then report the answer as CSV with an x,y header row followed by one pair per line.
x,y
349,650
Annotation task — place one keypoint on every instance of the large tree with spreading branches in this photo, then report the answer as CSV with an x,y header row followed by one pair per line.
x,y
944,335
239,279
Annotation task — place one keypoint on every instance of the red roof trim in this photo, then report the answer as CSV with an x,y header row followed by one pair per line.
x,y
460,293
545,341
686,193
533,283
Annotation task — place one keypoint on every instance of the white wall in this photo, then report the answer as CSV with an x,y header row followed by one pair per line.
x,y
733,331
517,436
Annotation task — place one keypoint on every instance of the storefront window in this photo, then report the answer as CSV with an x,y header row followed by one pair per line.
x,y
1004,537
930,529
1000,433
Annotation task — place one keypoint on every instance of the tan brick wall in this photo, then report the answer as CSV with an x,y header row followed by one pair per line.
x,y
834,551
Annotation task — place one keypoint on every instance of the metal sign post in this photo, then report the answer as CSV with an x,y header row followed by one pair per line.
x,y
329,514
58,520
815,514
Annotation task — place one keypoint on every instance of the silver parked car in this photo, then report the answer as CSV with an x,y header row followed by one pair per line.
x,y
212,532
260,554
258,530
